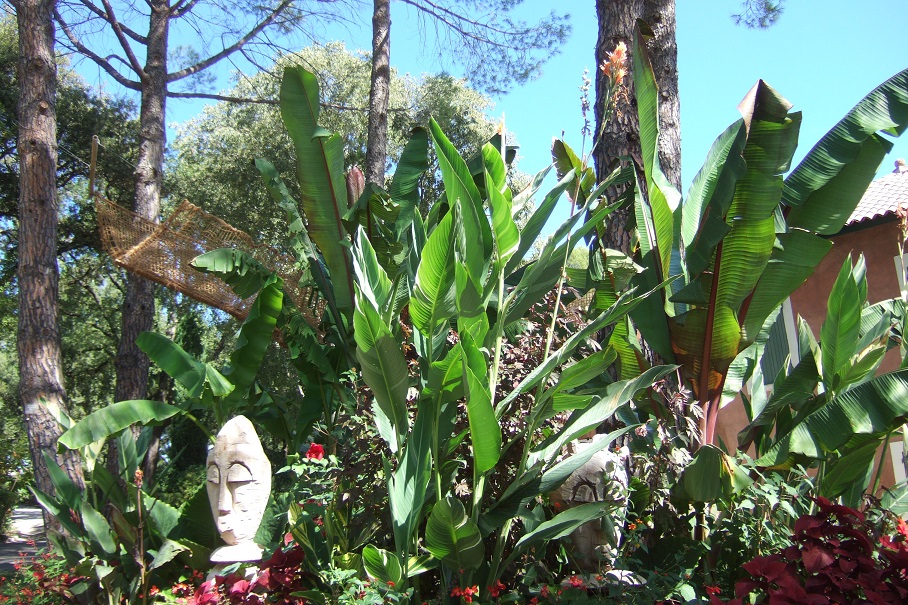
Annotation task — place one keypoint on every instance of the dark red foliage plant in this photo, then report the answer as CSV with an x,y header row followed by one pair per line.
x,y
278,580
836,557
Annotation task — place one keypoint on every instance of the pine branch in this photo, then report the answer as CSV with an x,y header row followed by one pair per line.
x,y
100,61
205,63
126,30
121,38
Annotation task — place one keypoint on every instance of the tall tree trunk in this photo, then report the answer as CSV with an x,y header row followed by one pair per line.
x,y
138,307
617,20
379,93
41,387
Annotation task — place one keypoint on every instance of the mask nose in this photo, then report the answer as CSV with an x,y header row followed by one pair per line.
x,y
225,499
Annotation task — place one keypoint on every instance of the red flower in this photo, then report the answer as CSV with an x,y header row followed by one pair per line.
x,y
315,452
712,590
576,581
497,588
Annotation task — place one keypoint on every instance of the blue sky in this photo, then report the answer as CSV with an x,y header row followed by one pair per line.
x,y
822,55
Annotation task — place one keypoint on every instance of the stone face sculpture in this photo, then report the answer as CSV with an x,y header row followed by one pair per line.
x,y
239,483
601,479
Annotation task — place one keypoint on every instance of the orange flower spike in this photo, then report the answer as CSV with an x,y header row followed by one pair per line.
x,y
619,55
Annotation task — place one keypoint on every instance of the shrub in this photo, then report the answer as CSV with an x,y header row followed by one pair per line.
x,y
837,556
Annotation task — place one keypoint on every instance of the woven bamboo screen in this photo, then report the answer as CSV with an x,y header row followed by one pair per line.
x,y
163,253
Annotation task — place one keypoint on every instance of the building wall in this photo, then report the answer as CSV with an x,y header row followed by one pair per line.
x,y
879,244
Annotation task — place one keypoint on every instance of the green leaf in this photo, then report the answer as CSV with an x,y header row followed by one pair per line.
x,y
829,182
562,524
413,162
299,236
622,307
102,539
182,367
539,277
254,339
67,491
383,566
663,197
165,518
408,483
895,499
239,270
371,278
603,407
384,368
459,186
853,470
484,429
794,257
57,510
840,330
534,482
112,419
432,301
710,196
712,475
507,236
867,411
452,537
167,553
323,191
530,232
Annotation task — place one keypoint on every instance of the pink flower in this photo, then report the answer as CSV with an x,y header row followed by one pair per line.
x,y
315,452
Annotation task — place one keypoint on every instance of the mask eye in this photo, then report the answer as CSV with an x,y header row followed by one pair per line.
x,y
238,473
214,474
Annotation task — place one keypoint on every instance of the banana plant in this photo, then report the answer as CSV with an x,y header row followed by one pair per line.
x,y
830,409
746,236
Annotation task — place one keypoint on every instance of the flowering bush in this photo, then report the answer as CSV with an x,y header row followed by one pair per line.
x,y
42,579
837,556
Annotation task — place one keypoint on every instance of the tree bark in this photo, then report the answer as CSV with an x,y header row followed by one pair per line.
x,y
138,308
621,135
132,364
379,93
41,388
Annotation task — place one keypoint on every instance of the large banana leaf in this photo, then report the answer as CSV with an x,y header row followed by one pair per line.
x,y
824,190
663,197
826,186
256,335
112,419
323,192
413,162
708,337
299,236
851,418
183,367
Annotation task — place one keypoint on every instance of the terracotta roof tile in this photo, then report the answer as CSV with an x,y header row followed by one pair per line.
x,y
882,197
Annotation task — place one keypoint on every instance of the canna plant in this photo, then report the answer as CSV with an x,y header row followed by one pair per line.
x,y
449,287
742,241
